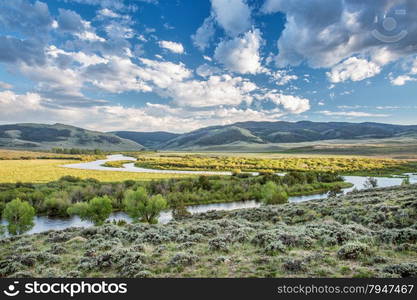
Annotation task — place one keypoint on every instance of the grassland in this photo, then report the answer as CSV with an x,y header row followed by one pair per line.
x,y
207,162
364,234
42,171
27,155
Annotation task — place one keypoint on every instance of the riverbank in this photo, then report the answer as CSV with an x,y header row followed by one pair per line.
x,y
337,237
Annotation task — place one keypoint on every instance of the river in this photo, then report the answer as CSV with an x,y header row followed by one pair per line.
x,y
44,223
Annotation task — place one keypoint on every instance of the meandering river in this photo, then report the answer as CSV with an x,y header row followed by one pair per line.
x,y
44,223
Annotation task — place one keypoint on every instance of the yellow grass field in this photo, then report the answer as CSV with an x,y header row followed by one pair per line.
x,y
41,171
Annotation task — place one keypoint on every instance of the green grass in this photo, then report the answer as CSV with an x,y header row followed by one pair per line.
x,y
348,237
42,171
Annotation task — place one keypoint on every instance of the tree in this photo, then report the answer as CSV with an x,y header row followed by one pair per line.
x,y
370,183
97,210
19,215
273,194
139,206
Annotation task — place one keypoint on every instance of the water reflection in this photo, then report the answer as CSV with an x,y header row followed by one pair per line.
x,y
43,223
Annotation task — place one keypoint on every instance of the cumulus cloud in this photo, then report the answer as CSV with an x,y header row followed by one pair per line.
x,y
26,17
282,77
31,107
172,46
207,70
216,90
339,29
354,69
291,104
234,16
241,54
402,80
204,34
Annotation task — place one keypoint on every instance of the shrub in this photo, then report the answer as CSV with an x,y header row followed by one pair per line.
x,y
294,265
183,260
57,204
274,248
19,214
218,244
97,210
273,194
353,250
404,269
139,206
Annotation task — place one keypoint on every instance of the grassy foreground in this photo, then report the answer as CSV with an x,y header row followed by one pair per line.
x,y
364,234
42,171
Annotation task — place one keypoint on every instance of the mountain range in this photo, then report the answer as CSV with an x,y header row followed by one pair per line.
x,y
41,136
46,137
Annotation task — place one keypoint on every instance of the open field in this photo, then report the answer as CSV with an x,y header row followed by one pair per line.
x,y
251,163
26,155
41,171
399,148
347,236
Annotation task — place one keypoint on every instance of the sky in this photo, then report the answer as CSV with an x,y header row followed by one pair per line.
x,y
179,65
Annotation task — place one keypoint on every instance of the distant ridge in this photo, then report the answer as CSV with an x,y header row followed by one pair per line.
x,y
46,137
285,132
41,136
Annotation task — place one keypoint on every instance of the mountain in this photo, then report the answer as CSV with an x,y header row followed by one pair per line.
x,y
42,136
235,137
284,132
150,140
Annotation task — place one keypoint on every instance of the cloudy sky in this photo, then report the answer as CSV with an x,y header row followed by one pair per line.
x,y
178,65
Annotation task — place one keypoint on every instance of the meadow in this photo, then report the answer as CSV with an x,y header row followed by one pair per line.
x,y
42,171
207,162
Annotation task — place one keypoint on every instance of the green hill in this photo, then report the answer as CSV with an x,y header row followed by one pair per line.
x,y
45,137
150,140
284,132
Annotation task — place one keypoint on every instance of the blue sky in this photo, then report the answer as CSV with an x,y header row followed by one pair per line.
x,y
178,65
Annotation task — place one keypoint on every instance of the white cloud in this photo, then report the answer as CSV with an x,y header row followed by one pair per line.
x,y
31,107
172,46
354,69
402,80
216,90
105,12
207,70
234,16
204,34
282,77
241,54
291,104
89,36
340,29
354,114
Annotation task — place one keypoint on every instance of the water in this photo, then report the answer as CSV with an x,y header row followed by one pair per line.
x,y
130,167
44,223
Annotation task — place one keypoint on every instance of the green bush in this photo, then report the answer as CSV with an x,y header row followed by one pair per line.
x,y
97,210
19,215
57,204
273,194
140,206
353,250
